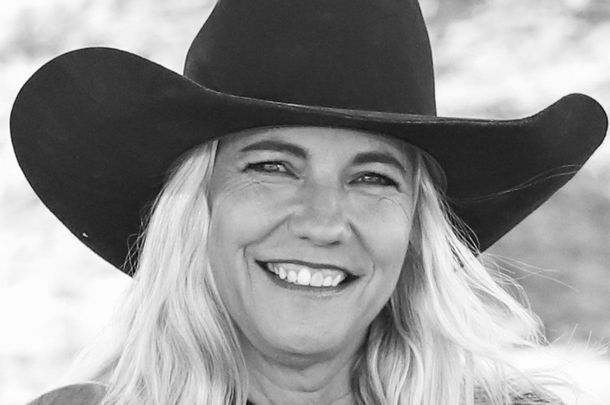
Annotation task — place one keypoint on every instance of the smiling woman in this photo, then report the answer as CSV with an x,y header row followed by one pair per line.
x,y
295,258
307,230
303,203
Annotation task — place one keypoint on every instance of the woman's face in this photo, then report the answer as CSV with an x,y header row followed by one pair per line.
x,y
309,230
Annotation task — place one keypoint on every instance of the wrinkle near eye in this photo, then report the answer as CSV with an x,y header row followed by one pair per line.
x,y
261,195
385,199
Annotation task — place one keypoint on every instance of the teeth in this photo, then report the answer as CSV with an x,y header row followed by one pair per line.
x,y
304,277
301,275
317,279
328,281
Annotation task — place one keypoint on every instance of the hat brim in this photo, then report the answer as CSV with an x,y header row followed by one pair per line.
x,y
96,130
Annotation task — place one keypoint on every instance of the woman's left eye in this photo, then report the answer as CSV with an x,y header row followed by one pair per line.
x,y
269,167
376,179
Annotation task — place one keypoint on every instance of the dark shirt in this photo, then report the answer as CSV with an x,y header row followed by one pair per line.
x,y
90,393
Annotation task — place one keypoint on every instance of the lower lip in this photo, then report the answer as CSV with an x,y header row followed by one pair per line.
x,y
304,288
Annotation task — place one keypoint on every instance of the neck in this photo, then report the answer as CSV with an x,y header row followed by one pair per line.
x,y
293,380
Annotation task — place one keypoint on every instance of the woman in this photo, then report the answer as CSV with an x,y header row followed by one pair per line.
x,y
314,228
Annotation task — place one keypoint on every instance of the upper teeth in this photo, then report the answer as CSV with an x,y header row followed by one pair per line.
x,y
303,275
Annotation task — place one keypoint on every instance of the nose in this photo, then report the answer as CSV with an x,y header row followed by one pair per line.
x,y
319,215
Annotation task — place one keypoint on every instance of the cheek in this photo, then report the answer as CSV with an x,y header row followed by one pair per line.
x,y
234,224
241,216
384,226
243,213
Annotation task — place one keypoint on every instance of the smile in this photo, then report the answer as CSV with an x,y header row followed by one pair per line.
x,y
303,275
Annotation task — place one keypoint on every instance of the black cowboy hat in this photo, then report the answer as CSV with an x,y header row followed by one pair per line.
x,y
95,130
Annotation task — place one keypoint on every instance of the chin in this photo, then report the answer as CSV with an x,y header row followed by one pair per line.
x,y
307,339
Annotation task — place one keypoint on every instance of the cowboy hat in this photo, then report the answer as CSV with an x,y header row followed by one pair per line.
x,y
96,130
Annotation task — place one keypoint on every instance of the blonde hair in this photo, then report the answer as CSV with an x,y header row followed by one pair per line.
x,y
443,336
441,339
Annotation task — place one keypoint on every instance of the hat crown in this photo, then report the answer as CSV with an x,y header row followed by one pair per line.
x,y
356,54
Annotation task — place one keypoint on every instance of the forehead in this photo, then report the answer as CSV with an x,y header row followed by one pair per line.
x,y
322,139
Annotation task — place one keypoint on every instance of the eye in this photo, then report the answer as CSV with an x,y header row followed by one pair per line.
x,y
375,179
269,167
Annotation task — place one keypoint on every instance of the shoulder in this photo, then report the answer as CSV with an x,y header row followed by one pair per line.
x,y
88,393
525,398
542,398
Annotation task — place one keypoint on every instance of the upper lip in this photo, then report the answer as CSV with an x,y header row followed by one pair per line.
x,y
312,265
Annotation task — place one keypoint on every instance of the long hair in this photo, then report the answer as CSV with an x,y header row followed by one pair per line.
x,y
175,342
446,335
441,339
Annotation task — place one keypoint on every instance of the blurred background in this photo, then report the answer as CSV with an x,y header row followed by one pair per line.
x,y
493,59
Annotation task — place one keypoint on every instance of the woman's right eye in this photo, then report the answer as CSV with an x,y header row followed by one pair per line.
x,y
269,167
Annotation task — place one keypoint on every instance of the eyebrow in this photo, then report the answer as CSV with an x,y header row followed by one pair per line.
x,y
360,159
378,157
277,146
